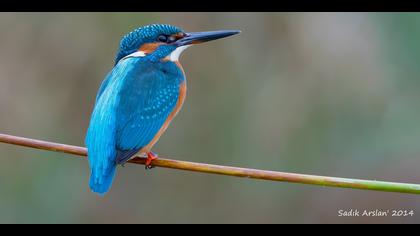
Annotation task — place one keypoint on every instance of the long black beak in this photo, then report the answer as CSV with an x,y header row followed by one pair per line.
x,y
201,37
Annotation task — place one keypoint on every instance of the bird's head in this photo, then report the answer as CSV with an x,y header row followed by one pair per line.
x,y
163,42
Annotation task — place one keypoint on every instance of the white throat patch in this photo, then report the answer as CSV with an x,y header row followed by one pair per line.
x,y
174,56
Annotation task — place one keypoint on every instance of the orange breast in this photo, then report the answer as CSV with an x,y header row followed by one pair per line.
x,y
149,47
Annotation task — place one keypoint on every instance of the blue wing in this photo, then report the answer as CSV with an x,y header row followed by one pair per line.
x,y
100,138
104,85
146,102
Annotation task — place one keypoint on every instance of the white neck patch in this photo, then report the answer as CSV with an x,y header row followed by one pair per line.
x,y
135,54
174,56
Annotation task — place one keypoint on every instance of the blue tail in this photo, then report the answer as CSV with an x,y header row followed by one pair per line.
x,y
102,183
101,157
100,141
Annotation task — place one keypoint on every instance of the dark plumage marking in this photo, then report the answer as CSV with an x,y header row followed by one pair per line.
x,y
124,155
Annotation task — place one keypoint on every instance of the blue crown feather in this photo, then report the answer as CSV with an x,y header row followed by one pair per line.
x,y
132,41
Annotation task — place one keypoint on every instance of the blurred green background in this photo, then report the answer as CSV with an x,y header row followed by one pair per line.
x,y
318,93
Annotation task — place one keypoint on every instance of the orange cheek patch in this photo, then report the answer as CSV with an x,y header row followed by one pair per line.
x,y
149,47
179,35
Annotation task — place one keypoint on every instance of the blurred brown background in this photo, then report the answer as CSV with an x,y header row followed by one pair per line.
x,y
318,93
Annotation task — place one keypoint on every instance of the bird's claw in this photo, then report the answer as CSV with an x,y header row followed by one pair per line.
x,y
150,157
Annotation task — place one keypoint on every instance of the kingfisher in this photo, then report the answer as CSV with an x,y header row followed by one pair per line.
x,y
139,98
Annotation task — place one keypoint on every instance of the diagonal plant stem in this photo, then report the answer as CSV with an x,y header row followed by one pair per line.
x,y
230,171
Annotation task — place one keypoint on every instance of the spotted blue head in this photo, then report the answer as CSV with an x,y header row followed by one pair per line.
x,y
159,42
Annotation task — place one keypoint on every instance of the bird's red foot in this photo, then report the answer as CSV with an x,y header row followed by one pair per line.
x,y
150,157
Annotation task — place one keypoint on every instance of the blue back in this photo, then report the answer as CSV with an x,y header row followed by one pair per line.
x,y
132,104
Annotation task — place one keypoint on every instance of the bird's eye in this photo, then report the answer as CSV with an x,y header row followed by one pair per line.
x,y
162,38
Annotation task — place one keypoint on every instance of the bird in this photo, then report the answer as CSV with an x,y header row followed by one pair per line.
x,y
138,98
